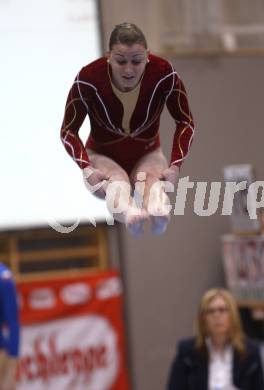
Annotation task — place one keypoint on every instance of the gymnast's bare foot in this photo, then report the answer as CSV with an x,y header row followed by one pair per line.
x,y
160,220
135,218
159,224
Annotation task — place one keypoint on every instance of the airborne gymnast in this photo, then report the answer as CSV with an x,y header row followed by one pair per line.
x,y
124,94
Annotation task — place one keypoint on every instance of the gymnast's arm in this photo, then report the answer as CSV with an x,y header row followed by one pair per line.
x,y
74,115
178,106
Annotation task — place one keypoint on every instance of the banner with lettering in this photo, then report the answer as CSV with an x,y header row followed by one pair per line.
x,y
72,334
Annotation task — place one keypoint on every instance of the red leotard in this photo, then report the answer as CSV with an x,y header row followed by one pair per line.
x,y
92,94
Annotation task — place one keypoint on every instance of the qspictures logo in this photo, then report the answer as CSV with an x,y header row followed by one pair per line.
x,y
209,198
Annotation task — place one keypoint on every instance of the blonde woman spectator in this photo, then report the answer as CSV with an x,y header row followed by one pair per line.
x,y
220,357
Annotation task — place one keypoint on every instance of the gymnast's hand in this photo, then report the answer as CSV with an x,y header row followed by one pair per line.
x,y
96,181
170,174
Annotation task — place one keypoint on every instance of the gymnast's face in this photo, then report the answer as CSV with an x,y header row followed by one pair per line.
x,y
127,64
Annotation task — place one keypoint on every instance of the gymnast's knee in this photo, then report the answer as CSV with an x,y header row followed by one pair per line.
x,y
143,175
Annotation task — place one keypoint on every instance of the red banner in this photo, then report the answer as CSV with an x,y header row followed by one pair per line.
x,y
72,334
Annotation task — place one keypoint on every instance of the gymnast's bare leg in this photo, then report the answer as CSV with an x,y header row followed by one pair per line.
x,y
112,172
155,200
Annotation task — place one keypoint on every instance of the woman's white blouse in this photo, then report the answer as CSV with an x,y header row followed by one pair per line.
x,y
220,368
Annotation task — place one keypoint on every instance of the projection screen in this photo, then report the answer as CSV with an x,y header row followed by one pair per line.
x,y
43,46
